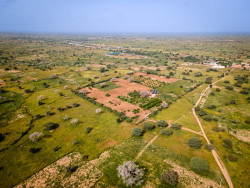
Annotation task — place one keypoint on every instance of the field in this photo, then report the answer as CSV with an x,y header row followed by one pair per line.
x,y
68,110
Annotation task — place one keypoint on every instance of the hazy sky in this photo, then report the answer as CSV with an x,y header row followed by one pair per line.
x,y
164,16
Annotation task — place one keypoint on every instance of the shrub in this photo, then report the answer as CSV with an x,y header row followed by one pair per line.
x,y
212,93
199,165
227,143
27,91
107,95
71,169
51,126
227,81
170,177
34,136
216,129
40,103
212,106
229,87
1,137
148,126
130,173
137,131
175,126
195,143
244,91
166,132
233,101
209,146
217,89
162,123
232,158
35,150
75,104
38,116
207,118
88,130
49,113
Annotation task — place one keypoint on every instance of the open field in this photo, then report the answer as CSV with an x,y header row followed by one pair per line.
x,y
52,134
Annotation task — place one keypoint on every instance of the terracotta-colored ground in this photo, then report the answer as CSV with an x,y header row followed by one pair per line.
x,y
117,104
159,78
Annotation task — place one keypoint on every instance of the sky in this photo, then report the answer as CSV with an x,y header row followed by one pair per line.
x,y
125,16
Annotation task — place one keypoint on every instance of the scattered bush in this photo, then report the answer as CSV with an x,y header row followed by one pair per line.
x,y
232,158
244,91
227,81
137,131
75,104
227,143
195,143
2,137
51,126
229,87
233,101
175,126
88,130
166,132
27,91
199,165
217,89
170,177
162,123
209,146
71,169
207,118
212,106
35,150
148,126
130,173
38,116
216,129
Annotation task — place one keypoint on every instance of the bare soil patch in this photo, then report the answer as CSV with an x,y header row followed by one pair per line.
x,y
158,78
191,179
115,103
2,82
55,175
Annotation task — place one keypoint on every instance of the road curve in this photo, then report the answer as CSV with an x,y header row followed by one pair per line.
x,y
216,156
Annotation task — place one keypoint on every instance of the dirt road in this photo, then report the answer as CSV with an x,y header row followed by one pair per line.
x,y
216,156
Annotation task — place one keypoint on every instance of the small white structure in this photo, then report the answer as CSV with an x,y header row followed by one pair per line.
x,y
98,110
218,67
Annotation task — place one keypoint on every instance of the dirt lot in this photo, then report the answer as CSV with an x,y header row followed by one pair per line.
x,y
137,68
2,82
159,78
116,103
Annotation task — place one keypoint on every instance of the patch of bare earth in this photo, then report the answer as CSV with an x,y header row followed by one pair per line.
x,y
2,82
55,175
114,102
240,134
158,78
190,179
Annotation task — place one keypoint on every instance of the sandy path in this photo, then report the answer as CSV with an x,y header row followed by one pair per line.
x,y
216,156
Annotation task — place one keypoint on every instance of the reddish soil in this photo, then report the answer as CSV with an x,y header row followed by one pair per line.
x,y
118,104
159,78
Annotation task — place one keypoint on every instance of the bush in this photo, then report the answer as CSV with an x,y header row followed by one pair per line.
x,y
166,132
207,118
88,130
35,150
195,143
1,137
227,81
216,129
148,126
227,143
170,177
49,113
27,91
137,131
50,126
75,104
162,123
38,116
232,158
212,106
229,87
175,126
130,173
244,91
199,165
217,89
233,101
209,146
